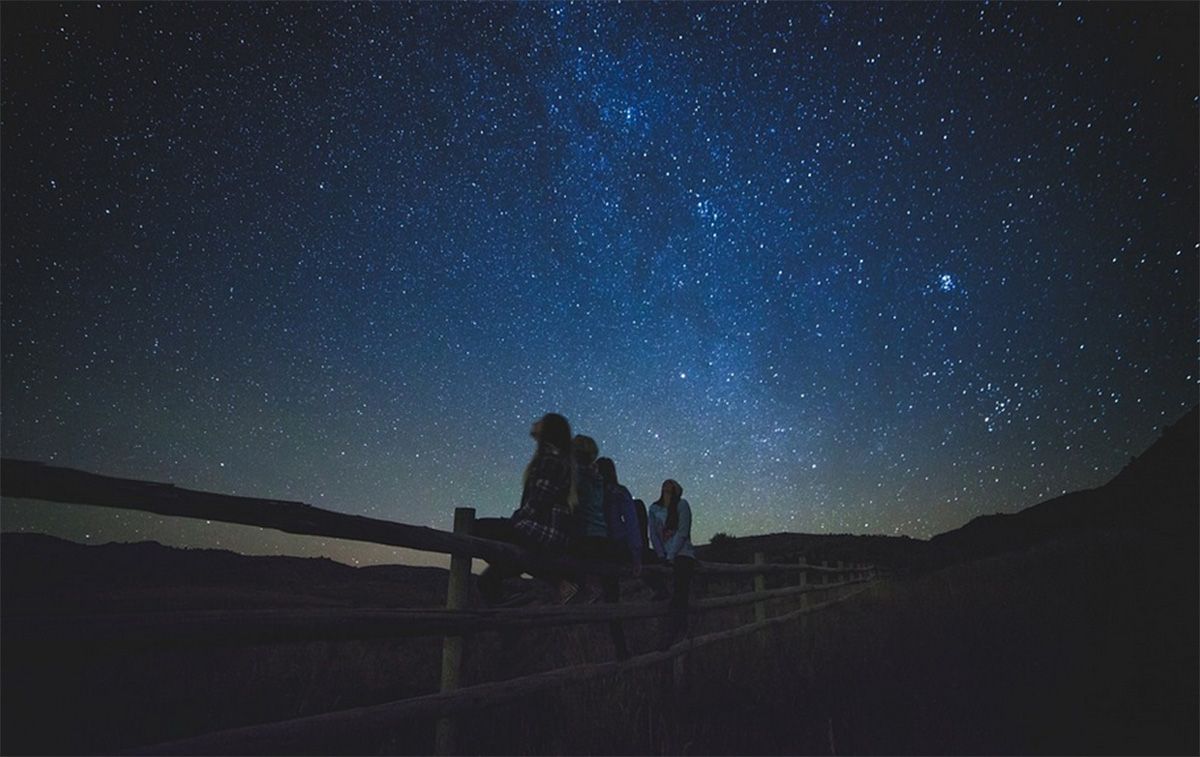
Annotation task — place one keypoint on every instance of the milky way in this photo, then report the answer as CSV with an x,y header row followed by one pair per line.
x,y
835,268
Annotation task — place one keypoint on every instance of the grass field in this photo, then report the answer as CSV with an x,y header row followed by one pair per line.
x,y
1086,645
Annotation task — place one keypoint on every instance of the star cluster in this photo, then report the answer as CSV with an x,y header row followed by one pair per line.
x,y
834,267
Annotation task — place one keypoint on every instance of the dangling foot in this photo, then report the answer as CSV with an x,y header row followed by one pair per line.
x,y
566,591
588,595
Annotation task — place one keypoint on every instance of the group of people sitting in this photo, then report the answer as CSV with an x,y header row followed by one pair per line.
x,y
573,505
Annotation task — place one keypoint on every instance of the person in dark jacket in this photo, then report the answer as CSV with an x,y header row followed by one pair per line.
x,y
623,527
589,519
543,522
643,524
607,518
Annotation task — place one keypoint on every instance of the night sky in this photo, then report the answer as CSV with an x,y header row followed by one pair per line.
x,y
834,267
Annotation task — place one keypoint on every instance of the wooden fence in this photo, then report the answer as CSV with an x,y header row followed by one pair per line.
x,y
455,623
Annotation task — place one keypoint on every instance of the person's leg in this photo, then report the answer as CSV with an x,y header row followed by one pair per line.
x,y
657,583
677,617
592,549
684,568
611,586
491,579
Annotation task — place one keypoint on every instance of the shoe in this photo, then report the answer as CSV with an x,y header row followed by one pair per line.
x,y
588,595
512,600
566,591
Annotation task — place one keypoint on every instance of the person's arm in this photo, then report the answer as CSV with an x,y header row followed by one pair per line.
x,y
655,535
643,522
683,533
632,540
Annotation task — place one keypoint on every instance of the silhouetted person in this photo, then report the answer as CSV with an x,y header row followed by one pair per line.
x,y
640,507
625,529
543,522
671,534
620,544
590,517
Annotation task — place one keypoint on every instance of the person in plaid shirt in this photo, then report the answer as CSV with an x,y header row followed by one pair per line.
x,y
545,520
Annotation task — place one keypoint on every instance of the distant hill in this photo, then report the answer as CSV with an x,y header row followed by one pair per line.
x,y
892,552
1069,627
40,572
1157,490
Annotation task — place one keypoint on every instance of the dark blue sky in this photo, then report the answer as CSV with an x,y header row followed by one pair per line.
x,y
834,267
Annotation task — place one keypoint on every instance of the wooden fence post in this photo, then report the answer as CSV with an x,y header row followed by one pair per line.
x,y
760,584
679,673
803,576
457,590
803,582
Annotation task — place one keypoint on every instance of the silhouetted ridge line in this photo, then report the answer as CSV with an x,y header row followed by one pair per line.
x,y
1157,490
33,480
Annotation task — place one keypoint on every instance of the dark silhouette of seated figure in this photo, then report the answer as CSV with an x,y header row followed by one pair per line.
x,y
543,523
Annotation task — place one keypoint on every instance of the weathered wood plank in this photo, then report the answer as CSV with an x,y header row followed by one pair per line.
x,y
222,627
33,480
760,586
457,593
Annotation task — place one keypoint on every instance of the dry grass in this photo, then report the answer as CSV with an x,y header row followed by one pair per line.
x,y
1086,646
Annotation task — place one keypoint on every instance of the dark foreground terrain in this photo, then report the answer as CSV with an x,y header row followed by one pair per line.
x,y
1071,627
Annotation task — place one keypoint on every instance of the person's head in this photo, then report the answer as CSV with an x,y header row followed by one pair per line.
x,y
585,450
671,492
608,471
552,429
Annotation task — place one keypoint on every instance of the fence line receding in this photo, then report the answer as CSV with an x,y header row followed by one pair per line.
x,y
455,623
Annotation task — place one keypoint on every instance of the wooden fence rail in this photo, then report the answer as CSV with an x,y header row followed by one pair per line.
x,y
32,480
320,733
222,627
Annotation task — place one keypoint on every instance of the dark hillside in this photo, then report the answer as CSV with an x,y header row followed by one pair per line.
x,y
46,574
1070,627
888,552
1157,491
1081,645
113,698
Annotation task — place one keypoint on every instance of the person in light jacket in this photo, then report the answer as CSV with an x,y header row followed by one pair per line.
x,y
670,520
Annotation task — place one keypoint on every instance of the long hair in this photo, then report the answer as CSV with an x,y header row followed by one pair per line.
x,y
556,432
608,471
672,504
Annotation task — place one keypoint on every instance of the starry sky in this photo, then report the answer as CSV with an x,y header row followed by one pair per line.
x,y
856,268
